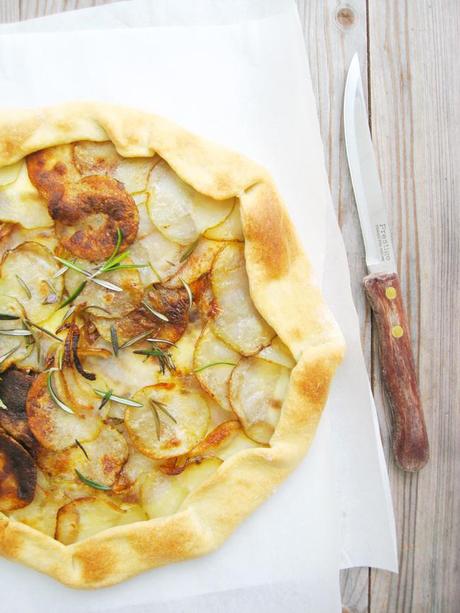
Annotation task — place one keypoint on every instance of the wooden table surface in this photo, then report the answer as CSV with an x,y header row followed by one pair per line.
x,y
410,54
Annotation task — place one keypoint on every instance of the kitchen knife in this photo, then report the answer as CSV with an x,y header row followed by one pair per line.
x,y
382,285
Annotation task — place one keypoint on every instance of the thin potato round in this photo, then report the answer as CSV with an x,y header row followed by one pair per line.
x,y
13,349
117,303
278,353
172,420
162,494
18,474
54,428
228,230
103,159
163,255
135,467
177,210
9,174
84,517
213,362
237,321
102,462
18,235
224,441
26,274
257,392
198,263
21,203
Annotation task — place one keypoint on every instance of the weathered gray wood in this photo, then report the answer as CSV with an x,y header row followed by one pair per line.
x,y
333,33
415,95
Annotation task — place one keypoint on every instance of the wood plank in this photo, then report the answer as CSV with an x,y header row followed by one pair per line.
x,y
333,33
18,10
415,97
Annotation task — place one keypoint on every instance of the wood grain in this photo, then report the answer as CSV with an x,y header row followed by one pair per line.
x,y
413,54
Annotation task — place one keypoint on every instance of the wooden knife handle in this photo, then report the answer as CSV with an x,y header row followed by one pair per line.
x,y
410,440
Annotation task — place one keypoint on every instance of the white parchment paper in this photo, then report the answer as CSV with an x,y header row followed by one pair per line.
x,y
234,71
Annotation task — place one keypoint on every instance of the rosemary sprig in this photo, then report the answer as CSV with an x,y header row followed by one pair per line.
x,y
91,483
88,275
20,332
24,286
189,292
120,399
162,407
44,330
69,313
8,317
77,442
8,354
54,397
164,358
114,340
96,307
161,340
213,364
153,312
156,418
135,339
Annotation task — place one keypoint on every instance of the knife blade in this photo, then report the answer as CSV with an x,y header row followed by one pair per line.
x,y
382,285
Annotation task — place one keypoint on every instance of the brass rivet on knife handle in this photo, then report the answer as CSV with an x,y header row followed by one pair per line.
x,y
410,440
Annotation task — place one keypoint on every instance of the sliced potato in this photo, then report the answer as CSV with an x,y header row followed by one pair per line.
x,y
41,512
54,428
158,434
117,303
18,474
103,461
162,254
102,158
198,263
84,517
12,348
228,230
210,352
177,210
9,174
223,442
278,353
21,203
162,494
182,352
18,235
146,226
26,273
136,466
257,392
237,321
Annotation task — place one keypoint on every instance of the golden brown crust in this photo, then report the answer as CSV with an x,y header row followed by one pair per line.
x,y
283,291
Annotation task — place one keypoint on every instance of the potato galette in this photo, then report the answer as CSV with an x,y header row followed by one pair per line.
x,y
165,356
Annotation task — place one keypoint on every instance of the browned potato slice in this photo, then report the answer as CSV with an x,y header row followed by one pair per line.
x,y
54,428
237,321
162,494
173,419
21,203
228,230
213,361
18,475
117,303
25,274
13,349
103,159
84,517
14,387
178,211
41,512
131,474
102,462
198,263
257,392
223,442
278,353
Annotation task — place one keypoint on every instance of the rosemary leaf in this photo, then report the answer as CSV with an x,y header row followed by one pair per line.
x,y
91,483
188,252
44,330
20,332
156,418
213,364
161,340
8,317
105,399
95,307
69,313
8,354
82,448
135,339
162,407
54,397
120,399
24,286
74,295
114,339
189,292
153,312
